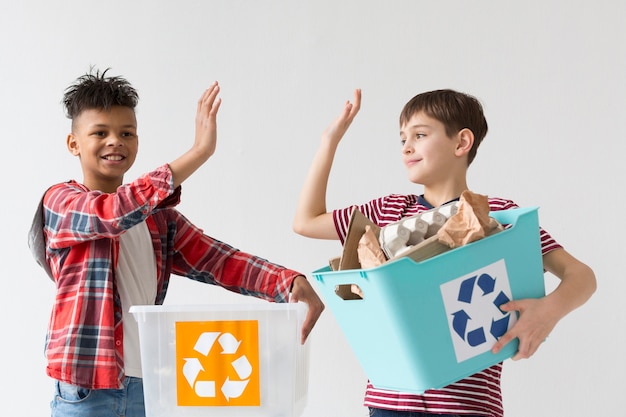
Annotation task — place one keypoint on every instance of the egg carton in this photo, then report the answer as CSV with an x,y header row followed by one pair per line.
x,y
397,238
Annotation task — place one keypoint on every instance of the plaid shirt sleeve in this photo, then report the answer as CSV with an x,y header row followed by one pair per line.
x,y
75,214
205,259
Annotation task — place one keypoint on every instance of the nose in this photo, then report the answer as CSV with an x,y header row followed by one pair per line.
x,y
113,139
407,148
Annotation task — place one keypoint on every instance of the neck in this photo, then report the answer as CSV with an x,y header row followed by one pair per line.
x,y
108,187
438,196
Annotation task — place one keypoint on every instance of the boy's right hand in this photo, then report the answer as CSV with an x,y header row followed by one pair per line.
x,y
312,219
303,291
335,131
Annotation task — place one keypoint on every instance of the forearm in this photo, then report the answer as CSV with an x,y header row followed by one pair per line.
x,y
311,218
577,284
188,163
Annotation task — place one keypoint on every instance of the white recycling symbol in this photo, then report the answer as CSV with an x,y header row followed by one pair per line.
x,y
472,304
193,367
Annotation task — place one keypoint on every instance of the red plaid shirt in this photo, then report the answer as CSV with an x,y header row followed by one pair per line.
x,y
84,344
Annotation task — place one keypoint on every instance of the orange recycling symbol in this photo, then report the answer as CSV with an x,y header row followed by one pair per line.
x,y
217,363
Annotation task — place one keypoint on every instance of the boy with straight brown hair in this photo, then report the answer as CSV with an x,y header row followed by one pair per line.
x,y
440,132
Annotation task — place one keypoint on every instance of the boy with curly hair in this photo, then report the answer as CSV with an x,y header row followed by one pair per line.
x,y
109,245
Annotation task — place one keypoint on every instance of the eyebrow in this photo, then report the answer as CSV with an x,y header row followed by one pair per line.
x,y
420,126
102,125
414,127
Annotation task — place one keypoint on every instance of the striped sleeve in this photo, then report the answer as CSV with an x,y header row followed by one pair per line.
x,y
382,211
547,241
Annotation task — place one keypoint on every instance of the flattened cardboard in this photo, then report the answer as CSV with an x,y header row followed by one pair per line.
x,y
356,228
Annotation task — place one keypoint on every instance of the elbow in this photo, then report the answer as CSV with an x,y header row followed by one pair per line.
x,y
305,228
315,227
593,282
588,283
298,227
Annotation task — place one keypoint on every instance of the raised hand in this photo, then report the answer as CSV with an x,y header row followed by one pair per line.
x,y
206,137
335,131
206,120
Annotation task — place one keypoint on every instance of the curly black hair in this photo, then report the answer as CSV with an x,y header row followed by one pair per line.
x,y
95,90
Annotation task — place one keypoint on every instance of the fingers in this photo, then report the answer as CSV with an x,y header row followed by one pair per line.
x,y
303,291
509,335
351,109
510,306
357,100
315,308
309,322
209,104
531,329
335,131
503,341
525,351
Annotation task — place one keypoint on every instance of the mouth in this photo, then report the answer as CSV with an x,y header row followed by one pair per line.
x,y
411,162
114,158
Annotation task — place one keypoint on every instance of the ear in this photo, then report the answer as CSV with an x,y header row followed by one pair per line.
x,y
465,141
72,145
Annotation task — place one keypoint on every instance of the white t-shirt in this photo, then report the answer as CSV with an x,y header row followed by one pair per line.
x,y
137,285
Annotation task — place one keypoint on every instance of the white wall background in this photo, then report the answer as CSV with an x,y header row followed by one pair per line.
x,y
550,75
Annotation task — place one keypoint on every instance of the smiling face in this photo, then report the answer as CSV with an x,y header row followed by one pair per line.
x,y
434,159
430,156
106,143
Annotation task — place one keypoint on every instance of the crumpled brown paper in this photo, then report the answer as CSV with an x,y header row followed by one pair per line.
x,y
470,223
369,251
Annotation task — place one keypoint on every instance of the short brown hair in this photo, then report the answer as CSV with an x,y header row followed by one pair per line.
x,y
455,110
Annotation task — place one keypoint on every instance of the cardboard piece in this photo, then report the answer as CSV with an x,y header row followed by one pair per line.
x,y
471,222
370,253
349,259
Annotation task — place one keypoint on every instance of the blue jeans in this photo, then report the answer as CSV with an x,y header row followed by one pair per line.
x,y
72,401
378,412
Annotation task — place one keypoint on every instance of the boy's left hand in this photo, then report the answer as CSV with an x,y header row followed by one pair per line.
x,y
537,317
302,290
536,321
206,119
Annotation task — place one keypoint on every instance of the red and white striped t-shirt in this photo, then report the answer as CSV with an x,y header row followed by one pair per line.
x,y
478,394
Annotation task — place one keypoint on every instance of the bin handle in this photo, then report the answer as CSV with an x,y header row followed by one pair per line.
x,y
349,292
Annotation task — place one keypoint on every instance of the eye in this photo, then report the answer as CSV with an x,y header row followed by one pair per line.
x,y
420,135
128,134
402,141
99,133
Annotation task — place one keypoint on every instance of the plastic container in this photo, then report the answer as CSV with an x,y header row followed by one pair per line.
x,y
428,324
223,360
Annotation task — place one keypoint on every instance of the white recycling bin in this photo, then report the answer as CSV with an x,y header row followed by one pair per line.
x,y
223,360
